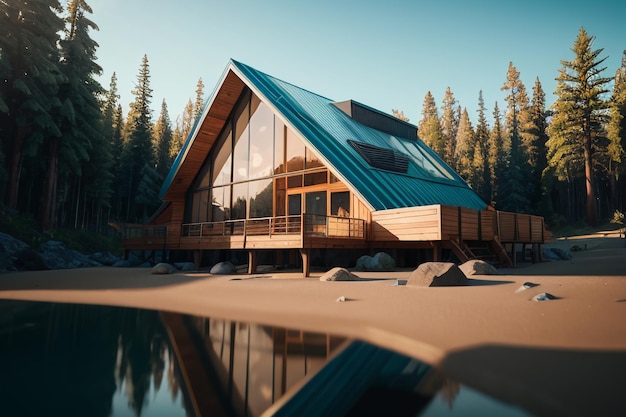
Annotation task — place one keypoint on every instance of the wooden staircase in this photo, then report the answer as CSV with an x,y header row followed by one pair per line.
x,y
489,251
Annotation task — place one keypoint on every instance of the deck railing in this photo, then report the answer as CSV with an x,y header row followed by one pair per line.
x,y
141,231
311,224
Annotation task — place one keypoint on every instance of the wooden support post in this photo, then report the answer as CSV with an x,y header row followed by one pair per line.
x,y
197,257
306,262
252,261
514,257
436,251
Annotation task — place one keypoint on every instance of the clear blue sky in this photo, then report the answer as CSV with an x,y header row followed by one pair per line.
x,y
385,54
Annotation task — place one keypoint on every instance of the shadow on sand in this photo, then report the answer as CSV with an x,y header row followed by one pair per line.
x,y
548,382
99,278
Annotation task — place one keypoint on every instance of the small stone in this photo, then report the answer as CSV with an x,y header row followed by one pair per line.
x,y
341,299
544,296
526,286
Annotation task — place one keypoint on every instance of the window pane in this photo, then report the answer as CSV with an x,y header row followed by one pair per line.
x,y
222,162
204,176
261,139
280,203
204,203
312,161
220,204
279,147
295,181
261,195
315,178
295,152
240,198
316,203
295,204
195,207
340,204
240,153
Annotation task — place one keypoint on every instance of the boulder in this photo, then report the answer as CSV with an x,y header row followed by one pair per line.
x,y
122,263
9,248
381,262
56,256
163,269
562,254
478,267
107,258
437,274
549,255
28,259
339,274
223,268
185,266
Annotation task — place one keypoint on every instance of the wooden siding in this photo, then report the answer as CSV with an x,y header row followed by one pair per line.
x,y
406,224
488,230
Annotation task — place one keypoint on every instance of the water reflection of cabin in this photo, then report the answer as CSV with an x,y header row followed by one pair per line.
x,y
277,171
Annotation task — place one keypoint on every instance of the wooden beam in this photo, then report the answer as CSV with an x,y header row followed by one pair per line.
x,y
306,262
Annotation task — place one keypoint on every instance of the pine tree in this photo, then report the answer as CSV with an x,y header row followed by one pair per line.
x,y
138,154
177,142
515,182
480,162
31,77
120,180
497,155
465,147
163,142
198,105
534,144
79,117
579,118
109,107
398,114
449,126
187,121
616,133
429,129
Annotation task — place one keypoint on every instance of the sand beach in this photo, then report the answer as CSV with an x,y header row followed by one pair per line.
x,y
564,356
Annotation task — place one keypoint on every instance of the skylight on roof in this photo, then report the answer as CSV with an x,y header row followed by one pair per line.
x,y
382,158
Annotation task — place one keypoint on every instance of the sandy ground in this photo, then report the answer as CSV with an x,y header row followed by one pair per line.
x,y
565,356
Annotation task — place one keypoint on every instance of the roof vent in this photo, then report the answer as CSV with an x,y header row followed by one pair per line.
x,y
382,158
377,119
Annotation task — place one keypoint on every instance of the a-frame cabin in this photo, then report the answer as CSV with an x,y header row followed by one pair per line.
x,y
277,171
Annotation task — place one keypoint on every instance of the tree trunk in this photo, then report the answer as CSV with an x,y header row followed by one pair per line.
x,y
15,168
589,184
48,198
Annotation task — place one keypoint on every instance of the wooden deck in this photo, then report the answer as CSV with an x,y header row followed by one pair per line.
x,y
458,229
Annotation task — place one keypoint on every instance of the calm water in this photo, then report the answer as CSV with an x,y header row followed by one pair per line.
x,y
80,360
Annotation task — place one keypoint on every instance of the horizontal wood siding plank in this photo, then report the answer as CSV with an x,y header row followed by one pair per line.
x,y
406,224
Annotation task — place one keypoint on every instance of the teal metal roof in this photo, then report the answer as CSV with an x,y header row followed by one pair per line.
x,y
328,131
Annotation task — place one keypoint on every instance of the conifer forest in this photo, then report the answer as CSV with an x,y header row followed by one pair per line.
x,y
71,156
